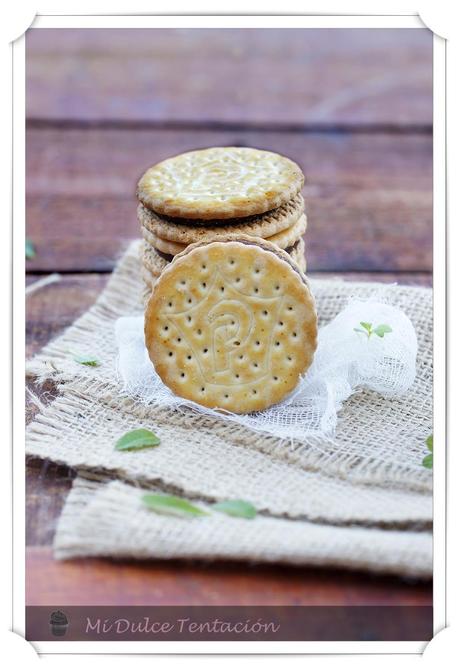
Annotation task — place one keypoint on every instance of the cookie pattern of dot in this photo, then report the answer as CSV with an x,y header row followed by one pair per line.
x,y
231,325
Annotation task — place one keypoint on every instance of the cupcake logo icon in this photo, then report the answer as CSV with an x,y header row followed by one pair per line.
x,y
58,623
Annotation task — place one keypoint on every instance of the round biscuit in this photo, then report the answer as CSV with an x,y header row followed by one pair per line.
x,y
231,324
167,247
254,241
186,231
282,239
153,263
220,182
288,237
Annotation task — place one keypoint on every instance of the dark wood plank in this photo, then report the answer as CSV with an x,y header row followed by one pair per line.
x,y
258,76
54,307
47,486
103,582
369,197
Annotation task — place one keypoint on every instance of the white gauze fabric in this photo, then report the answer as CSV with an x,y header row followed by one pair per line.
x,y
345,362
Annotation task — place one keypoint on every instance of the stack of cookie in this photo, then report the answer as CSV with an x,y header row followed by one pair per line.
x,y
211,194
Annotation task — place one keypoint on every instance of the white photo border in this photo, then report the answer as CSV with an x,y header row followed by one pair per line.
x,y
439,274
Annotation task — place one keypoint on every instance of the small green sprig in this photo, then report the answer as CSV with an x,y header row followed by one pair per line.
x,y
86,360
427,461
165,504
367,329
30,250
236,508
137,439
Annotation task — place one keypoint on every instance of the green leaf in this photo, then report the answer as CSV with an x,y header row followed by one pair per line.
x,y
30,250
367,326
360,331
381,330
87,360
137,440
429,442
236,508
171,505
428,461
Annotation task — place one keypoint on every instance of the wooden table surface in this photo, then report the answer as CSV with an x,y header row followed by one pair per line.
x,y
353,108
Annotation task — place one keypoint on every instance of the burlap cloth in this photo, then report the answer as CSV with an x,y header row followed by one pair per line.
x,y
359,499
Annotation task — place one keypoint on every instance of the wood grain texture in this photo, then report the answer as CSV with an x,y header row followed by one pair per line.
x,y
47,486
286,76
105,582
369,201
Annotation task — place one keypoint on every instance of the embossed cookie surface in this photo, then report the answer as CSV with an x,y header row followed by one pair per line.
x,y
231,325
223,182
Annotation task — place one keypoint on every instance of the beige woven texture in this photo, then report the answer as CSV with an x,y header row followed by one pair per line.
x,y
368,474
108,519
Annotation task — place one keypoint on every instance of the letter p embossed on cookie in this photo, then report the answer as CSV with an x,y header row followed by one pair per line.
x,y
237,331
231,324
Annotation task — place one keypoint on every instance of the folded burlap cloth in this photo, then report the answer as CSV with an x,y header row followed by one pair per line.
x,y
358,499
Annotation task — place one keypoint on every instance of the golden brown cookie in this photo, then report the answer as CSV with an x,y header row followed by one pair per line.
x,y
283,239
231,324
289,237
162,245
153,261
186,231
223,182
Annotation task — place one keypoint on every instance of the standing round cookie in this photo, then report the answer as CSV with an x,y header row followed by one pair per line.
x,y
220,183
231,324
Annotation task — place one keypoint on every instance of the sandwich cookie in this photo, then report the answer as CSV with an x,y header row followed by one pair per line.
x,y
154,261
220,183
186,231
283,239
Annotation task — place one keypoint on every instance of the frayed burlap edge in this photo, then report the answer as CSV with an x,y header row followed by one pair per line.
x,y
109,519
